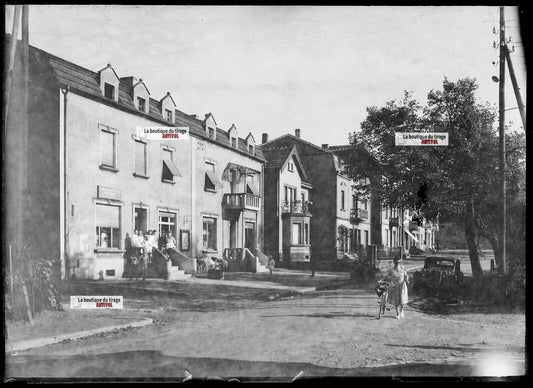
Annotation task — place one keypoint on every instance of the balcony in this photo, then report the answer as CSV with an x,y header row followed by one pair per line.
x,y
393,221
241,201
298,207
358,215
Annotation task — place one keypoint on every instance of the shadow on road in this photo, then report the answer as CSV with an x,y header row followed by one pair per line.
x,y
153,365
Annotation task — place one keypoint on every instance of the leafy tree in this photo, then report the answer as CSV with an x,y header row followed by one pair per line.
x,y
459,182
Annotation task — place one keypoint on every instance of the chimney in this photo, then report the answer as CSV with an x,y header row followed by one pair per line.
x,y
297,132
325,146
265,138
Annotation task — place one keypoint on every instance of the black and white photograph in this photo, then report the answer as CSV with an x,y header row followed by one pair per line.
x,y
264,193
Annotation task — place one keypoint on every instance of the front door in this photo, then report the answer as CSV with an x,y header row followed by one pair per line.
x,y
249,235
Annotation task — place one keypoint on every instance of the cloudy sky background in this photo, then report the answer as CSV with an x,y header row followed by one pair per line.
x,y
274,69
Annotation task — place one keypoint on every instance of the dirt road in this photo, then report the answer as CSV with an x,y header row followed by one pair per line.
x,y
326,333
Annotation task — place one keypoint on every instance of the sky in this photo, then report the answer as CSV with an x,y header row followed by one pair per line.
x,y
272,69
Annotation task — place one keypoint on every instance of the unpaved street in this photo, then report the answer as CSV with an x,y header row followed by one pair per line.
x,y
325,333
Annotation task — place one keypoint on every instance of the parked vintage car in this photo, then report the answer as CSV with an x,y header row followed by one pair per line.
x,y
439,274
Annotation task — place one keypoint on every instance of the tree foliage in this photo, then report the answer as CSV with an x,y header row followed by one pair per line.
x,y
460,182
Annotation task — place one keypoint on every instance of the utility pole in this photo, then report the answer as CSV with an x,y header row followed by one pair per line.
x,y
521,106
502,138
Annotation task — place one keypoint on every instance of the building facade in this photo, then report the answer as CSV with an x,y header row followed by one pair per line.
x,y
333,204
104,180
287,206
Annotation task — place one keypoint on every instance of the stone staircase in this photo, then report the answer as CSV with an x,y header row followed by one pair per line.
x,y
261,262
175,273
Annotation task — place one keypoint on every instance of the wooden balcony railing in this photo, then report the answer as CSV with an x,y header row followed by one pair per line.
x,y
242,201
295,207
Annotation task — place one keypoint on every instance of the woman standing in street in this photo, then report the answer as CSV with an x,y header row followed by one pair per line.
x,y
399,280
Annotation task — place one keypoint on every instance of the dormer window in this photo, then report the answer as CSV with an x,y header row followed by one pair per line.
x,y
167,107
210,126
109,91
250,142
232,132
141,104
108,81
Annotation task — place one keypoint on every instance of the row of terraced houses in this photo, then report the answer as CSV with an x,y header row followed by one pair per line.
x,y
92,181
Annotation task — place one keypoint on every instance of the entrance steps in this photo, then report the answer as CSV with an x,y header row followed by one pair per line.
x,y
177,274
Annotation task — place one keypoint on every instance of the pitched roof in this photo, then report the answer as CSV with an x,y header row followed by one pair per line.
x,y
85,81
275,156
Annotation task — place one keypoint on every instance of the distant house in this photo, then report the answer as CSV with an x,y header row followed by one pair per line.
x,y
93,180
333,223
391,227
287,207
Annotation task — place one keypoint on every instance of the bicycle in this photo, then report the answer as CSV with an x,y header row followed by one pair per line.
x,y
382,290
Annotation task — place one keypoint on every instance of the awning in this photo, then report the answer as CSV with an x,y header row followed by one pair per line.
x,y
412,236
213,178
251,187
242,171
171,167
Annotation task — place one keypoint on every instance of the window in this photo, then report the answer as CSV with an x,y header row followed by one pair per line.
x,y
140,219
234,142
169,168
211,181
251,149
366,237
306,234
167,223
109,91
211,132
107,226
140,157
210,233
354,202
386,212
290,194
290,166
365,204
342,199
141,103
169,115
108,147
297,233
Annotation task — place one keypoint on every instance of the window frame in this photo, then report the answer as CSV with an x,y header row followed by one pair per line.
x,y
139,107
114,132
145,144
206,242
109,87
98,248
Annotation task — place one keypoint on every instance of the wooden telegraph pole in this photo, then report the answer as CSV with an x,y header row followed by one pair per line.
x,y
502,138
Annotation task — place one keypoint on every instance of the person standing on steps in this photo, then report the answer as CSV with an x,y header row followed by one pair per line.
x,y
399,280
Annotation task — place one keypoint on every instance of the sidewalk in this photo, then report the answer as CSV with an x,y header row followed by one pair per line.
x,y
52,327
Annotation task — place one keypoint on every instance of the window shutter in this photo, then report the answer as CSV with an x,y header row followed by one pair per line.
x,y
108,148
140,159
107,216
